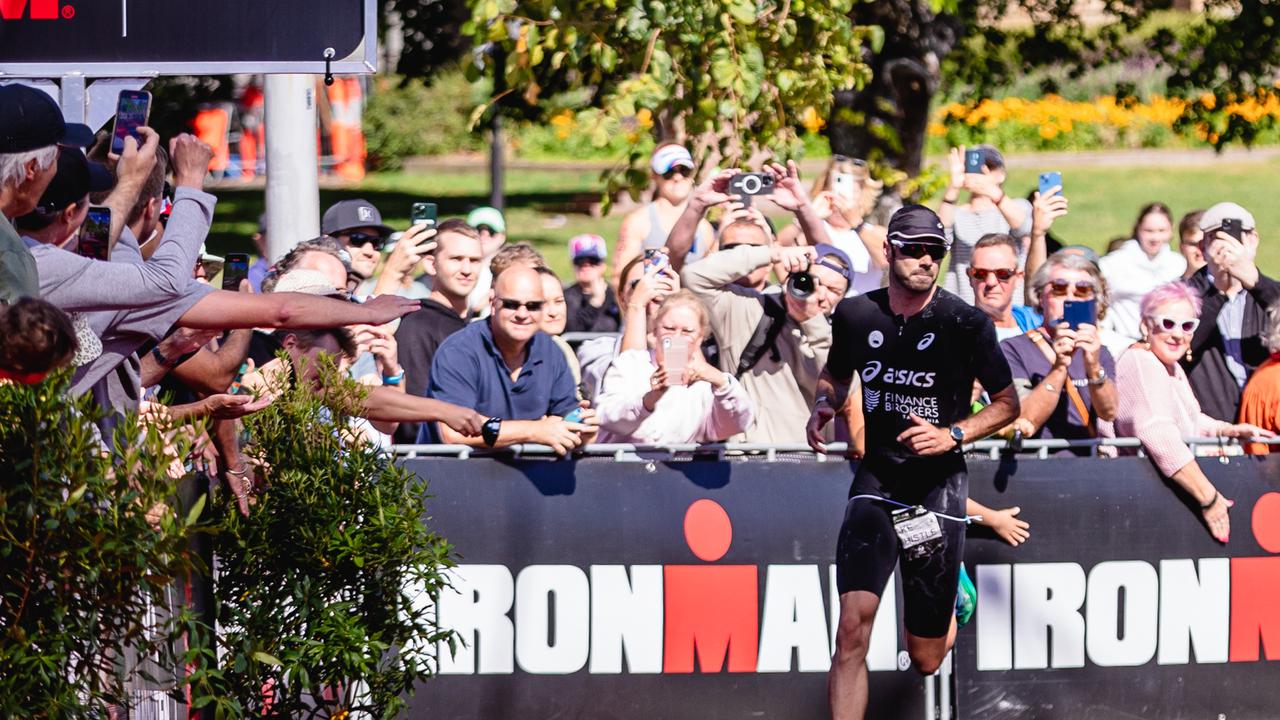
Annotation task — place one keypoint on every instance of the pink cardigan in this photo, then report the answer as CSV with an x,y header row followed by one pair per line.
x,y
1158,407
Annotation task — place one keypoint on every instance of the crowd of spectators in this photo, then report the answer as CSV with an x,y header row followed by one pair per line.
x,y
712,326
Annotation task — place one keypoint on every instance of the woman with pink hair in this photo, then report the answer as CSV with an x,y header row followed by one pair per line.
x,y
1158,407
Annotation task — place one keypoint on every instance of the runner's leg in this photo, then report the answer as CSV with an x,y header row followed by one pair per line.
x,y
847,679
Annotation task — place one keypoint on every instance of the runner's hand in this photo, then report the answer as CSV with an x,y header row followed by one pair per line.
x,y
822,414
925,438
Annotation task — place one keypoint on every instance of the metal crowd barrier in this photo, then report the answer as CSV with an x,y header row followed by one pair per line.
x,y
624,452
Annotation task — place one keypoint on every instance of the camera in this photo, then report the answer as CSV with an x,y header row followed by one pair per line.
x,y
800,285
748,184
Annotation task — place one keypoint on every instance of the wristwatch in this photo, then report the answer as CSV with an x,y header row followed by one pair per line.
x,y
957,434
164,362
1100,379
489,431
393,379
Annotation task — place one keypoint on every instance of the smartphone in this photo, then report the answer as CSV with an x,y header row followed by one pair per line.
x,y
842,184
95,234
423,213
655,260
1233,227
1049,181
132,111
237,383
234,270
1080,312
973,162
574,416
675,358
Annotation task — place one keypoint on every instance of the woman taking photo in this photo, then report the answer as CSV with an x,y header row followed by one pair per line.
x,y
989,210
667,392
843,197
1158,407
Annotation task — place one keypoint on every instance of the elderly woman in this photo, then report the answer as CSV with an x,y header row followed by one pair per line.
x,y
1158,407
1064,374
650,396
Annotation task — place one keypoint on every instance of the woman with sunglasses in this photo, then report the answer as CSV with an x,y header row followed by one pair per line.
x,y
668,392
1158,407
843,197
988,210
1063,372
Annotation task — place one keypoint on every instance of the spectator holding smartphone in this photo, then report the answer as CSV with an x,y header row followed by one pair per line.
x,y
666,392
988,210
357,226
592,305
1227,346
1063,373
1138,266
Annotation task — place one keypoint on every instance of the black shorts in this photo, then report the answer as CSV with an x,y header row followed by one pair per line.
x,y
868,548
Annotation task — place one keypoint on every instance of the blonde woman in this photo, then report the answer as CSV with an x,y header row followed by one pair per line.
x,y
844,196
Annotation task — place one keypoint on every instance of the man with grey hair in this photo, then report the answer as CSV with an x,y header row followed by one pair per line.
x,y
31,131
1063,373
1227,346
1260,404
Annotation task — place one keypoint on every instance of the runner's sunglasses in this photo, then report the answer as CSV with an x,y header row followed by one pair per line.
x,y
918,250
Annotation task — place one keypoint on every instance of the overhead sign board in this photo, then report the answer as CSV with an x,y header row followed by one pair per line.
x,y
141,38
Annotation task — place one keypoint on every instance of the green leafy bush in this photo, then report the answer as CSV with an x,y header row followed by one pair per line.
x,y
404,119
89,547
325,584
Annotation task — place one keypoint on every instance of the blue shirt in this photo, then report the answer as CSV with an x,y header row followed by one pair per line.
x,y
468,370
1026,317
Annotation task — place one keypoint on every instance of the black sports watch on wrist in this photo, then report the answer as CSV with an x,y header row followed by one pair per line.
x,y
489,431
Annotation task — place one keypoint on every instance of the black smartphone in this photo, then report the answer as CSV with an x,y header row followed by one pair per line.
x,y
973,162
234,270
95,234
1080,312
1233,227
132,111
423,212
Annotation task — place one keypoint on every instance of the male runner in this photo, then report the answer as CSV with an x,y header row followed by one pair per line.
x,y
917,350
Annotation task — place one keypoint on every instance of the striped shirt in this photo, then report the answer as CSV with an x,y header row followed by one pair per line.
x,y
967,230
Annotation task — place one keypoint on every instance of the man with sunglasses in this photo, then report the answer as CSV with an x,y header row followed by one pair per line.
x,y
994,276
357,225
512,373
915,350
1064,374
647,227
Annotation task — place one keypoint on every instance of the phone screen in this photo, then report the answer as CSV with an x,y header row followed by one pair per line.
x,y
95,234
655,260
423,212
1079,312
675,358
132,111
842,184
235,270
1049,181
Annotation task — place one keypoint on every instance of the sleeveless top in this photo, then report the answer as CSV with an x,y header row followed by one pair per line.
x,y
657,237
864,276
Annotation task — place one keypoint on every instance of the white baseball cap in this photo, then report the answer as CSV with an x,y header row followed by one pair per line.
x,y
1213,217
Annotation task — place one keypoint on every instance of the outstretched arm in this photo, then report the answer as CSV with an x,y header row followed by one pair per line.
x,y
222,309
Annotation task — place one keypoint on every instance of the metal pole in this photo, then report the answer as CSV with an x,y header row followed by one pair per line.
x,y
496,170
293,189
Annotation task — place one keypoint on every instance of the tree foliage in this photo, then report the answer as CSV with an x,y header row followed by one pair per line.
x,y
90,547
732,75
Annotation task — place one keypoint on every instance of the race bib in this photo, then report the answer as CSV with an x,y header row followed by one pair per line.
x,y
918,530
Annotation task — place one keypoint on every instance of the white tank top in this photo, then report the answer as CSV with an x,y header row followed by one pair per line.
x,y
865,276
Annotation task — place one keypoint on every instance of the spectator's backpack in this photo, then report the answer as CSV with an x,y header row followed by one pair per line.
x,y
766,334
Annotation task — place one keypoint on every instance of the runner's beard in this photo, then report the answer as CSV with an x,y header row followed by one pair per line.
x,y
918,282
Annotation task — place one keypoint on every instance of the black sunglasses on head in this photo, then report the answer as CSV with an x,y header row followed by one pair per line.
x,y
359,239
533,306
918,250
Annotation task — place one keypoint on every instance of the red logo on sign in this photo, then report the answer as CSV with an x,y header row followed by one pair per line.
x,y
1255,584
40,10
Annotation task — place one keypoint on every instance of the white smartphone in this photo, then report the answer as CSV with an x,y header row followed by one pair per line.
x,y
842,184
675,354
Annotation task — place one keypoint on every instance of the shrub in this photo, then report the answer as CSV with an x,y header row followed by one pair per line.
x,y
324,585
404,119
89,547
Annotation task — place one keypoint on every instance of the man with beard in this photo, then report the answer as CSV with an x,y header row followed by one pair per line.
x,y
917,350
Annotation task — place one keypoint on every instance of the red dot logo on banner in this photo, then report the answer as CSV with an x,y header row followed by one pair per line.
x,y
1266,522
708,530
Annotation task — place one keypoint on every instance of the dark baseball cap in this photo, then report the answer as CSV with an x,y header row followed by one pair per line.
x,y
350,214
30,120
916,223
991,157
76,177
833,258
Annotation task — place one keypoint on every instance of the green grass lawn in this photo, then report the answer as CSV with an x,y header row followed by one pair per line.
x,y
541,203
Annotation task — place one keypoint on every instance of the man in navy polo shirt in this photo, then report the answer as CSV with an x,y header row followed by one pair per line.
x,y
510,372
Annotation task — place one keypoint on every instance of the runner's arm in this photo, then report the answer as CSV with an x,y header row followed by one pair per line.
x,y
1003,410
